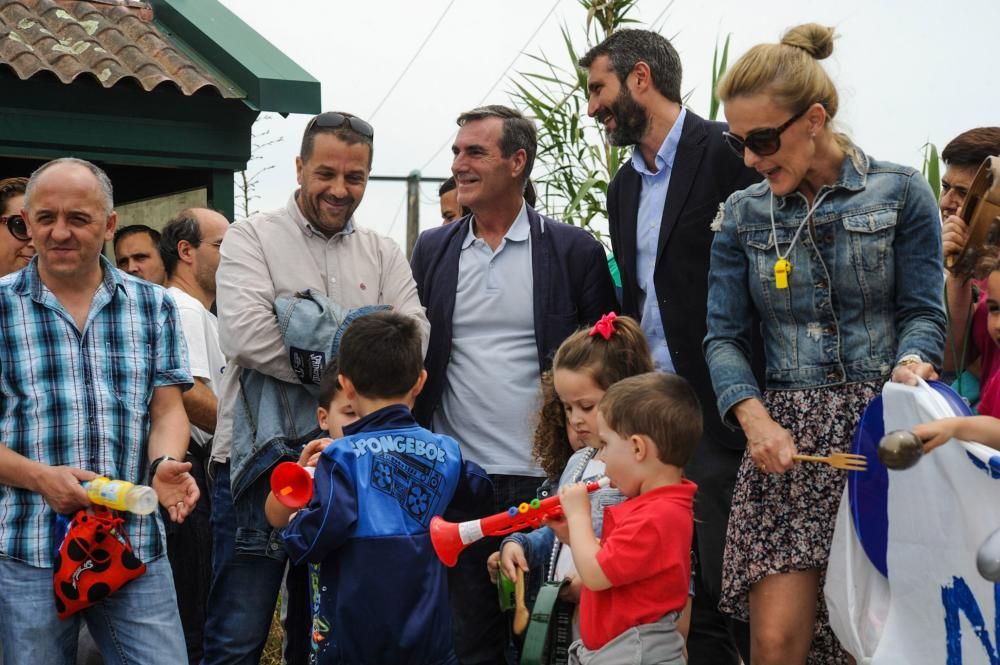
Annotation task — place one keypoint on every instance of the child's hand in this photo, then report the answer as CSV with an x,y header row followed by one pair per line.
x,y
575,500
559,527
312,450
571,592
492,566
510,558
954,235
936,432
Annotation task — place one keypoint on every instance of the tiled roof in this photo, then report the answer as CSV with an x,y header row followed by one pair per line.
x,y
109,40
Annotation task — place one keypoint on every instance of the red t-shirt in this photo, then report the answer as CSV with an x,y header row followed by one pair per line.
x,y
646,555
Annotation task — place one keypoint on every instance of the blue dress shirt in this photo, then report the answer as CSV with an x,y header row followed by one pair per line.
x,y
652,200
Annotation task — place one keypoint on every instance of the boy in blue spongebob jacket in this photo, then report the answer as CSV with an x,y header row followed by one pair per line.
x,y
382,590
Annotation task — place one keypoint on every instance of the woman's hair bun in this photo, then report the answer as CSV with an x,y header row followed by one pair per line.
x,y
813,38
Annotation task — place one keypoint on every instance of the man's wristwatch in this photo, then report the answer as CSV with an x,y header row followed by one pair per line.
x,y
155,464
909,359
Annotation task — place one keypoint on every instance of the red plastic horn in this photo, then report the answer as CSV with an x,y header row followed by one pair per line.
x,y
292,485
450,538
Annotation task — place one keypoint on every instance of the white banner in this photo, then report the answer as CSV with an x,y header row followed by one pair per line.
x,y
933,607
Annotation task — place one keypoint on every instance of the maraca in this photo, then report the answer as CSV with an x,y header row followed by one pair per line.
x,y
900,449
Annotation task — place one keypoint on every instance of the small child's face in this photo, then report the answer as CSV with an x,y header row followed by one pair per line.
x,y
580,396
575,442
993,306
619,459
340,413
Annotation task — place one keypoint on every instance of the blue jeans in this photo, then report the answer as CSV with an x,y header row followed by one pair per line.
x,y
137,625
244,587
479,628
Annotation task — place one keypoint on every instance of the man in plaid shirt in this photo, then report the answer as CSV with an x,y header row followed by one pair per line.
x,y
92,365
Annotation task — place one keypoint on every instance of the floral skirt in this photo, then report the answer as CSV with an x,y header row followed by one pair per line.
x,y
784,522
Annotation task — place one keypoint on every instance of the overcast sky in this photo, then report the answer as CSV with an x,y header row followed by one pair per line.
x,y
907,72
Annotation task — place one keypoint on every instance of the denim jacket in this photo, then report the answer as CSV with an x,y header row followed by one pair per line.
x,y
274,419
866,285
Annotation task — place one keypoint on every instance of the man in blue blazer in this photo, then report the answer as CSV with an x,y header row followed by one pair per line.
x,y
503,287
661,204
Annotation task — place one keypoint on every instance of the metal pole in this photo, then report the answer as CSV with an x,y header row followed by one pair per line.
x,y
412,210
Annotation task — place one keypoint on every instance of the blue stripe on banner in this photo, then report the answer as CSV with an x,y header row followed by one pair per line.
x,y
868,491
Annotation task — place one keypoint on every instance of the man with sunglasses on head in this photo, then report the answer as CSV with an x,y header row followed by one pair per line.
x,y
660,207
312,243
16,248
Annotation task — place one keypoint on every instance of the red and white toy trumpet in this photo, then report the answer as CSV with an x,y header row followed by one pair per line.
x,y
450,538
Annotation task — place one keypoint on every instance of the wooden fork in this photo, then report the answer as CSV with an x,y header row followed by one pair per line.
x,y
846,461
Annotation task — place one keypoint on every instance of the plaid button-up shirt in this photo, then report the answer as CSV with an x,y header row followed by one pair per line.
x,y
81,398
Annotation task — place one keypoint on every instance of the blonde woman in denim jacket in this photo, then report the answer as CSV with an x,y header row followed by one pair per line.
x,y
838,255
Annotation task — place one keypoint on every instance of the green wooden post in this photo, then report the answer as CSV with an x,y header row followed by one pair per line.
x,y
220,193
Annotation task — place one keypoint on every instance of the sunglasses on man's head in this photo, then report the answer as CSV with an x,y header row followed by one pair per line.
x,y
17,226
333,120
761,142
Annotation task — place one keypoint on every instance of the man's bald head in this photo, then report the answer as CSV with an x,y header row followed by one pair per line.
x,y
190,246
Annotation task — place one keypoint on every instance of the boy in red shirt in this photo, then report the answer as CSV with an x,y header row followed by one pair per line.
x,y
636,580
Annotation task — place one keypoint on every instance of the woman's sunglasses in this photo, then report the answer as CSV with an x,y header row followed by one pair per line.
x,y
761,142
16,226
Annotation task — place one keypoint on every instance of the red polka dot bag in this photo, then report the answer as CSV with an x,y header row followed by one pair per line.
x,y
94,560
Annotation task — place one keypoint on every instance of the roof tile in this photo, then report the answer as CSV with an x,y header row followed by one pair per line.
x,y
111,40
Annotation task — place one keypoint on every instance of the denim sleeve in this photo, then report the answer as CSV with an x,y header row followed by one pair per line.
x,y
537,546
730,317
920,318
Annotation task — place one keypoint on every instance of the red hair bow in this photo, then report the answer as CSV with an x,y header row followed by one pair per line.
x,y
605,327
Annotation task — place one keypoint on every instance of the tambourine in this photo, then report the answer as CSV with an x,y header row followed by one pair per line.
x,y
980,212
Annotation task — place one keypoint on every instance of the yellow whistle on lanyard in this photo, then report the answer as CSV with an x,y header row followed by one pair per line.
x,y
781,269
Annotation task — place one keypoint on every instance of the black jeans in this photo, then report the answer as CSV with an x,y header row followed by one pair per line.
x,y
189,549
478,626
297,619
714,638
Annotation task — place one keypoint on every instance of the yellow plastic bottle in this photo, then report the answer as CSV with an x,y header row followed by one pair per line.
x,y
121,495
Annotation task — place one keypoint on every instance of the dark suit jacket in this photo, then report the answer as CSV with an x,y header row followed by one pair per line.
x,y
705,173
571,282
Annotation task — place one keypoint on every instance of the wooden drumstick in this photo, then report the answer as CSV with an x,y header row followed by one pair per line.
x,y
521,614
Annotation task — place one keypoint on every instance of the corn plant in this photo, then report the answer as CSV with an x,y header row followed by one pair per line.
x,y
718,69
932,168
576,161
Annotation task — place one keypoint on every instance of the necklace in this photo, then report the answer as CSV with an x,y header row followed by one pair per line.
x,y
578,470
782,267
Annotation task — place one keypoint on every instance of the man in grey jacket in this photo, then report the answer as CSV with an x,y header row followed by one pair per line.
x,y
311,243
